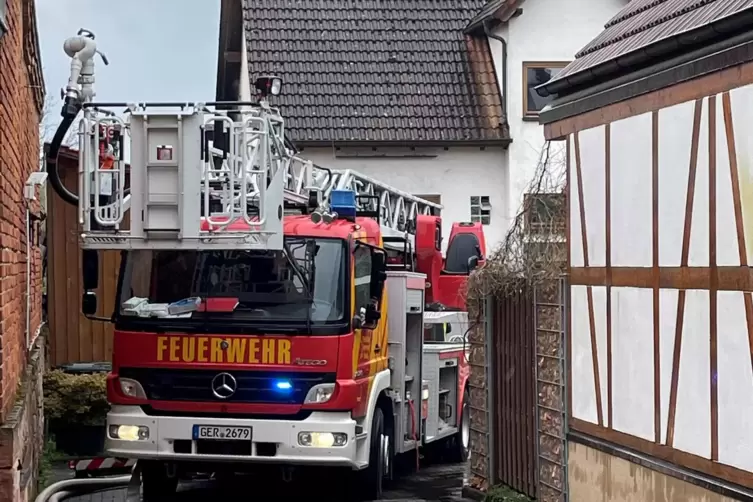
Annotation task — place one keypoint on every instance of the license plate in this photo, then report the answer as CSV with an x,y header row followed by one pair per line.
x,y
222,433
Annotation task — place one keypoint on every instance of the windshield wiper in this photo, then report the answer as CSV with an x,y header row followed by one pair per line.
x,y
304,282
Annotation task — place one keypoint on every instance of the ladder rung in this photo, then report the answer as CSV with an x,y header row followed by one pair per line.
x,y
170,232
171,165
168,127
162,203
158,198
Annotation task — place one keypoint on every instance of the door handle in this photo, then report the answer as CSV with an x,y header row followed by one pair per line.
x,y
377,349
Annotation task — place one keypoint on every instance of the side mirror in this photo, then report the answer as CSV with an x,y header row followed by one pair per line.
x,y
89,303
357,322
378,265
472,263
371,317
90,269
378,272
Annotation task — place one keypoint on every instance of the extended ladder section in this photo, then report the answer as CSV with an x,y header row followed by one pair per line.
x,y
397,210
200,178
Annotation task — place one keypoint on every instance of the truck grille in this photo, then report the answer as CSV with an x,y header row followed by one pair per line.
x,y
252,386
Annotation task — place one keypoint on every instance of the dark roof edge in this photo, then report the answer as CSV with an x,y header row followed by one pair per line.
x,y
500,15
405,143
688,67
229,10
621,66
221,41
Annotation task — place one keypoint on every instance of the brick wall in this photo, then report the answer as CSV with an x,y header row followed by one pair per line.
x,y
21,102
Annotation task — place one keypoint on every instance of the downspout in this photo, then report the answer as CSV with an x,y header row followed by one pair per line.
x,y
28,274
490,34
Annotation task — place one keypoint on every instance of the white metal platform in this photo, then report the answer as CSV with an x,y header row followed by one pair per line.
x,y
201,178
183,191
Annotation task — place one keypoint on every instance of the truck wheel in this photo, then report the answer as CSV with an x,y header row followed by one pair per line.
x,y
157,484
460,444
371,482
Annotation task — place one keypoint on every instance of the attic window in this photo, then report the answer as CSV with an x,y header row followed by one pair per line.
x,y
534,74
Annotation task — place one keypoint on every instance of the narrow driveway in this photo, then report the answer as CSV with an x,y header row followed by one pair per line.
x,y
442,483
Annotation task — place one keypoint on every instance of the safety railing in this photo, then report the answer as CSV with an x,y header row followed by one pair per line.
x,y
62,490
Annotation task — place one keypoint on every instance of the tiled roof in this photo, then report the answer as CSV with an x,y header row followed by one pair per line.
x,y
377,70
644,23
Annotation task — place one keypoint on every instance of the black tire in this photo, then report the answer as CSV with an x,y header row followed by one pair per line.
x,y
156,483
460,443
370,481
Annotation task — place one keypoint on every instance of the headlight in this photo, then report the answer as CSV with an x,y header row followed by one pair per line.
x,y
322,439
131,388
129,432
320,393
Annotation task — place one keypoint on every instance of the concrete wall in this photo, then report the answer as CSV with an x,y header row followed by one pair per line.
x,y
547,30
454,173
21,100
595,475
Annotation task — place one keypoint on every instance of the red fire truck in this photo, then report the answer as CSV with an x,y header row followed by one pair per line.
x,y
269,311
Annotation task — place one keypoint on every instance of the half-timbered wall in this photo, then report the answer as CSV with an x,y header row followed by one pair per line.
x,y
661,238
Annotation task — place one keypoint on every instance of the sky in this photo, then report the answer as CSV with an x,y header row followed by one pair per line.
x,y
159,50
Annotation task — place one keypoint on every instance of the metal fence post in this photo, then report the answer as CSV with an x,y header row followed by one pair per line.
x,y
565,300
490,386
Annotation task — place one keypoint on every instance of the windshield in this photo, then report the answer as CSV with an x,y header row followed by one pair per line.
x,y
305,282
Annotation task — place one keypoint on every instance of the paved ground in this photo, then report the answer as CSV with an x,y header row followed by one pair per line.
x,y
441,483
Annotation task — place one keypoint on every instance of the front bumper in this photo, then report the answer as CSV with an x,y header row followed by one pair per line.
x,y
165,431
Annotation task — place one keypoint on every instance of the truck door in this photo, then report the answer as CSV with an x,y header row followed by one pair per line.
x,y
370,341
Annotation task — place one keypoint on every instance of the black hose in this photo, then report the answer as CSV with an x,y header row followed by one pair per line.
x,y
70,110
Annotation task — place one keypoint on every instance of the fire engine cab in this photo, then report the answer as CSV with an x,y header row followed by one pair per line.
x,y
269,311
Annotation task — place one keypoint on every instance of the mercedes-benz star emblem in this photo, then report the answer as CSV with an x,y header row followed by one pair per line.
x,y
224,385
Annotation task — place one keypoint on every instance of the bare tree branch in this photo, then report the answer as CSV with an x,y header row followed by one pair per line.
x,y
534,249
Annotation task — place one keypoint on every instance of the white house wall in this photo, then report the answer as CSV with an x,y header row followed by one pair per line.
x,y
547,30
455,173
692,274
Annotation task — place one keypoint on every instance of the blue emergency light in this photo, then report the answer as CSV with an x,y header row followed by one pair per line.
x,y
343,202
283,385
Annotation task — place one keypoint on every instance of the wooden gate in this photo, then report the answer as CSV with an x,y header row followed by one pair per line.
x,y
514,384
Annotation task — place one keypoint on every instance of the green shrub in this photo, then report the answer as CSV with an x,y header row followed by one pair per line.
x,y
79,399
505,494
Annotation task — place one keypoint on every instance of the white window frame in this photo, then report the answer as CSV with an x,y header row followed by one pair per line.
x,y
549,65
481,209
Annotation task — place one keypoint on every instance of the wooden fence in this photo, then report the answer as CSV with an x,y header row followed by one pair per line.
x,y
518,393
74,338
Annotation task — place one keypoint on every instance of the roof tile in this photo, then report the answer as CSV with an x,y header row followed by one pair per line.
x,y
643,23
376,70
